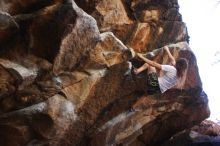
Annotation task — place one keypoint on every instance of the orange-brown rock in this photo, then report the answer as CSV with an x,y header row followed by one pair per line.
x,y
140,37
143,25
113,16
66,75
147,121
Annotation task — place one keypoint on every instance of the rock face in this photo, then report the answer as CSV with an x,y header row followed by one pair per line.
x,y
206,133
66,73
141,24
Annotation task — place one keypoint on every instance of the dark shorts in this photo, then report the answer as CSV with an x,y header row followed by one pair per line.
x,y
153,84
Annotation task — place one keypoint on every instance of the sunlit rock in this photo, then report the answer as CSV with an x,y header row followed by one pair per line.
x,y
140,37
110,51
149,16
112,12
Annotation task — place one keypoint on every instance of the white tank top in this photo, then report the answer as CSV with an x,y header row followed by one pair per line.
x,y
168,79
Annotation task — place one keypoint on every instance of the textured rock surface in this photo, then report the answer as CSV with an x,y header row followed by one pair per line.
x,y
155,118
141,24
206,133
66,79
24,6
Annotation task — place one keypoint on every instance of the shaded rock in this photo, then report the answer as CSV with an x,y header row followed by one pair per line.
x,y
206,133
55,21
24,6
147,119
48,120
173,15
116,54
207,128
126,127
7,89
77,43
41,32
174,32
87,5
7,81
8,26
154,10
23,76
23,89
19,134
142,4
64,83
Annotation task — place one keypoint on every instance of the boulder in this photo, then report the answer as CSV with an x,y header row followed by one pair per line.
x,y
151,118
141,24
206,133
66,74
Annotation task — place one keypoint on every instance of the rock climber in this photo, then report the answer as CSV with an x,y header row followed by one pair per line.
x,y
168,75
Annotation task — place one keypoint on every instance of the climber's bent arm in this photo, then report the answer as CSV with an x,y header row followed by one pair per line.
x,y
151,63
170,55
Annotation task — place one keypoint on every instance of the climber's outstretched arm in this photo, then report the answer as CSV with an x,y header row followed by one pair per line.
x,y
151,63
172,59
